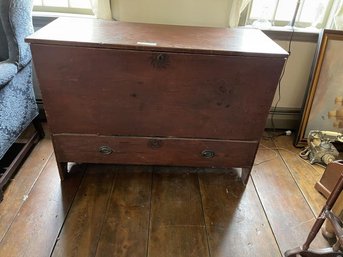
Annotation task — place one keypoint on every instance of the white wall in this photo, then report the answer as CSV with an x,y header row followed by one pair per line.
x,y
297,73
213,13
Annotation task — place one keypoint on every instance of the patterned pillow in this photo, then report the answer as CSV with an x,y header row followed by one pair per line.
x,y
8,71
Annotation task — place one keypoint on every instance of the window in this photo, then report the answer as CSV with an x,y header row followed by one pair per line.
x,y
311,13
63,6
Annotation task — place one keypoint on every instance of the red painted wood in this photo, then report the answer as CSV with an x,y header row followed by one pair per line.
x,y
157,151
193,88
127,35
117,92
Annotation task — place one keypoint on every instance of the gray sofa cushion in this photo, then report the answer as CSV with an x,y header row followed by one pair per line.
x,y
7,72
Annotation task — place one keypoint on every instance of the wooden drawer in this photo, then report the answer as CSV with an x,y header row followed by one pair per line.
x,y
154,151
146,93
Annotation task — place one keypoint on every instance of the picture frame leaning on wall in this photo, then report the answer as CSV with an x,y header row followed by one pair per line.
x,y
323,106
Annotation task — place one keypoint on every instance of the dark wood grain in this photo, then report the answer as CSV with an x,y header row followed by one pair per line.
x,y
186,98
181,241
189,85
18,190
81,231
305,174
232,215
111,34
37,224
235,219
143,150
177,225
126,226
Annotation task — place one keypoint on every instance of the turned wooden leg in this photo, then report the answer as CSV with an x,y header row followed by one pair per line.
x,y
328,230
245,175
62,169
38,127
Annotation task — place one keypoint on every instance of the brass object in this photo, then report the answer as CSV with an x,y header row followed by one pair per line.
x,y
106,150
320,148
208,154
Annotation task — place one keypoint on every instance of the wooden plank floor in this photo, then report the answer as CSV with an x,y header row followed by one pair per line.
x,y
136,211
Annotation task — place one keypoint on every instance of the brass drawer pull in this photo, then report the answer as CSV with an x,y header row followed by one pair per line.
x,y
208,154
106,150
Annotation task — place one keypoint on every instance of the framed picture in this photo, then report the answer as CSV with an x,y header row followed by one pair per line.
x,y
323,108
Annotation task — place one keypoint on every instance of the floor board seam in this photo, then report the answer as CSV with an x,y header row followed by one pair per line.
x,y
68,211
182,226
112,191
150,210
204,219
294,179
28,193
265,212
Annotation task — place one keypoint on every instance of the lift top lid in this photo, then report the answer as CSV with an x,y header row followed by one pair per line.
x,y
138,36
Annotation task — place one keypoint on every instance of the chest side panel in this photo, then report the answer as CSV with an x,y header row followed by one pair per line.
x,y
144,93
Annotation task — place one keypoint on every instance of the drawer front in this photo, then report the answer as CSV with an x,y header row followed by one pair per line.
x,y
154,151
118,92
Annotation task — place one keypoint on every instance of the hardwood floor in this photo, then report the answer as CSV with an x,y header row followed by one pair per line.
x,y
117,210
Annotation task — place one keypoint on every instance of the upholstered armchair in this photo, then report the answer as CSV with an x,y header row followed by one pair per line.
x,y
18,107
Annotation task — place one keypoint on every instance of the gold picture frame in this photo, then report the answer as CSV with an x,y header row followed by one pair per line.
x,y
323,107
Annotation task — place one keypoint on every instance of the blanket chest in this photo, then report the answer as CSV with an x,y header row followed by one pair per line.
x,y
129,93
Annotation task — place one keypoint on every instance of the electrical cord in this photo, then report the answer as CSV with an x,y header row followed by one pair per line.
x,y
274,135
276,155
280,79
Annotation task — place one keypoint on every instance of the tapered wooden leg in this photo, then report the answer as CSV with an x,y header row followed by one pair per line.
x,y
328,230
245,175
62,169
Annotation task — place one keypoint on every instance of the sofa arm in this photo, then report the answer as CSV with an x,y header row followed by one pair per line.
x,y
7,71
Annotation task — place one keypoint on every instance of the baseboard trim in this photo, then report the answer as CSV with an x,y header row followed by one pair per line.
x,y
283,118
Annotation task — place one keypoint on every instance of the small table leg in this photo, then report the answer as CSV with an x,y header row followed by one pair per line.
x,y
62,169
245,175
38,127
